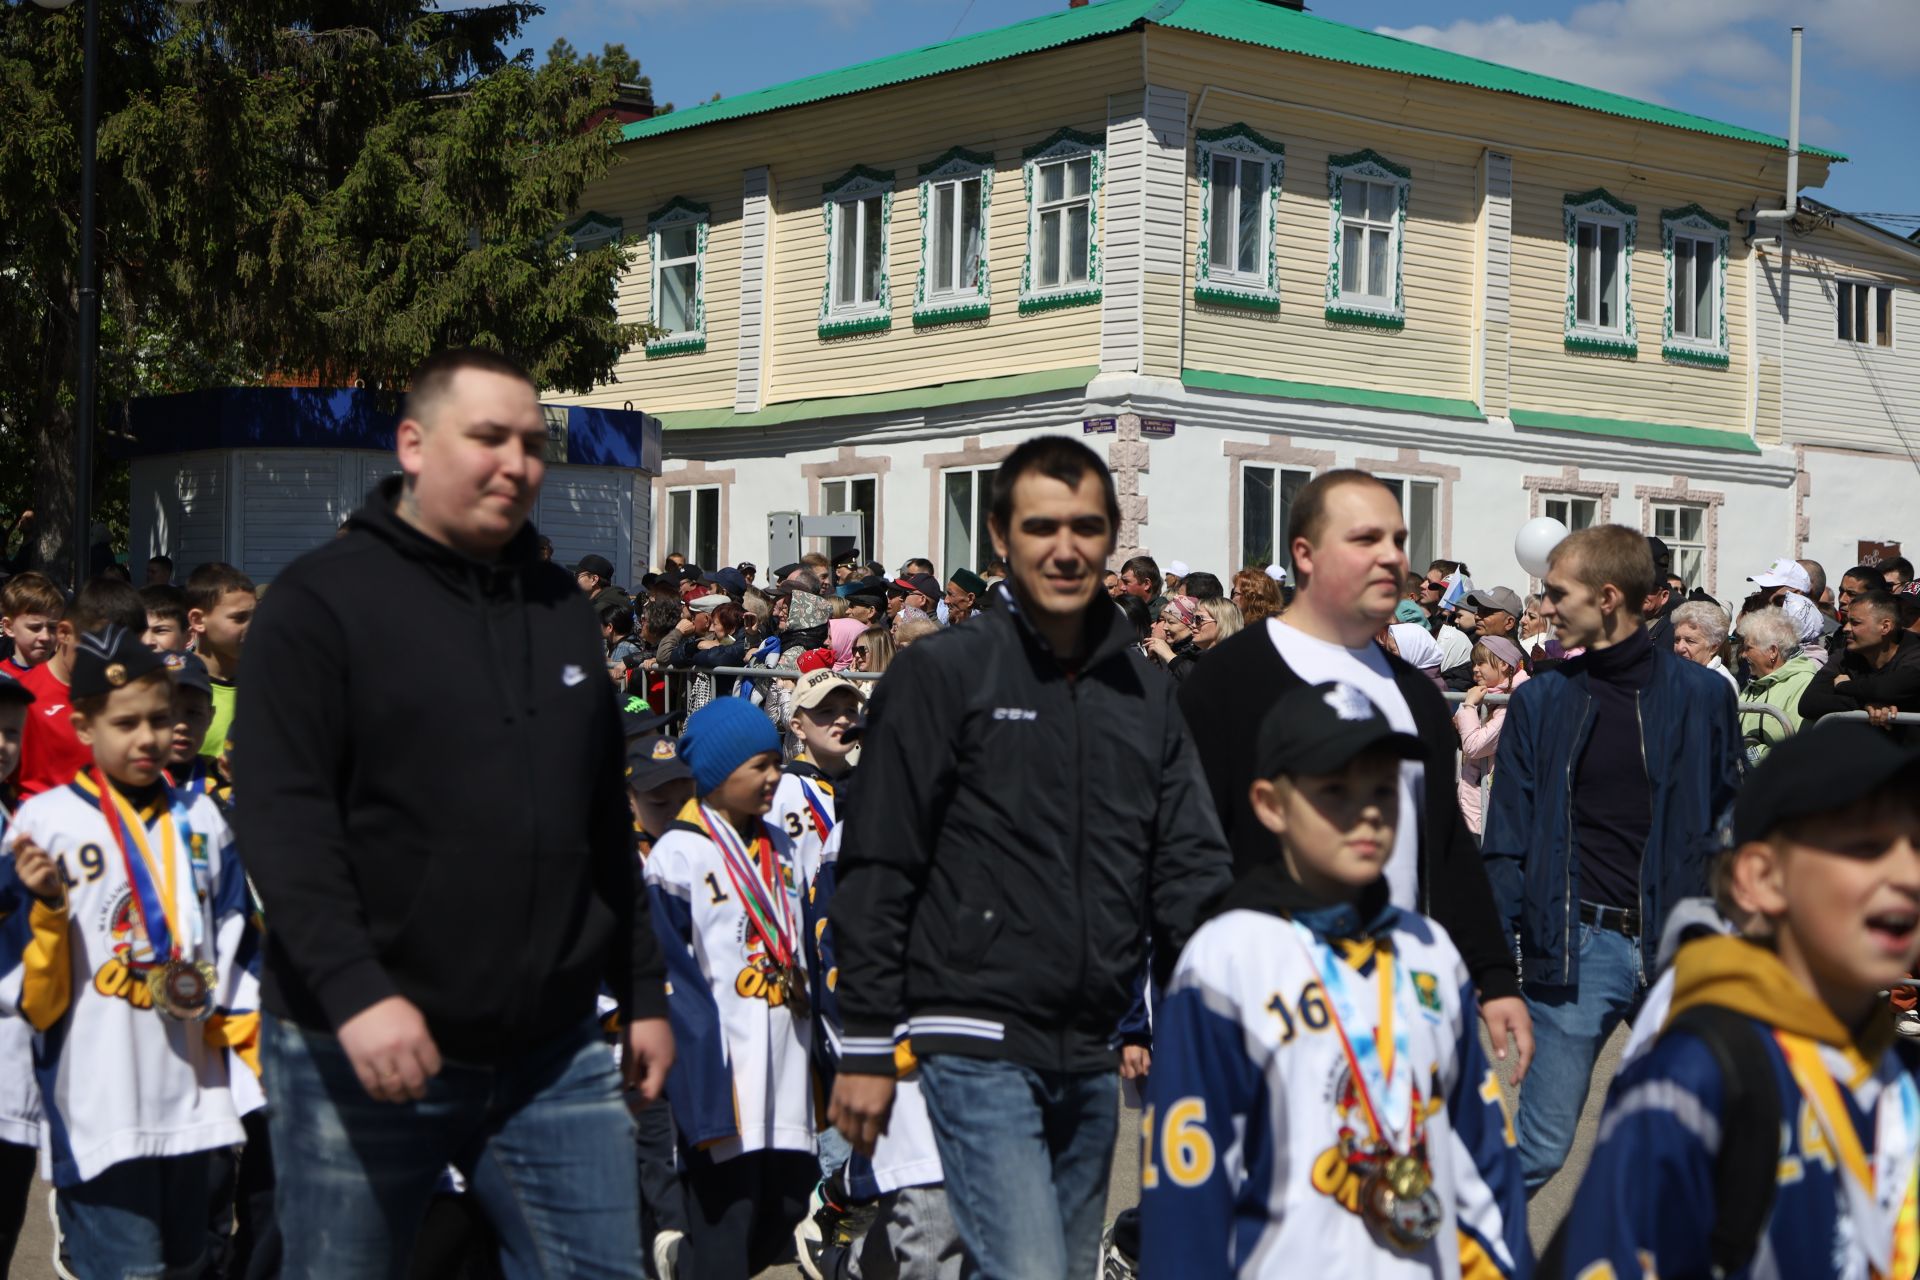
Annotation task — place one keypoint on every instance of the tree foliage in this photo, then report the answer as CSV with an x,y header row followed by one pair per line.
x,y
289,190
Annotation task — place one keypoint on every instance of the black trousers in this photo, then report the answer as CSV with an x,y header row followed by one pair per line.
x,y
16,1184
741,1212
663,1203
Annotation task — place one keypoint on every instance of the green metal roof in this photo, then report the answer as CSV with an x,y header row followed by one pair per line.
x,y
1256,22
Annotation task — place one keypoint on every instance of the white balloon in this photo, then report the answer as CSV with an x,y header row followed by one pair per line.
x,y
1535,542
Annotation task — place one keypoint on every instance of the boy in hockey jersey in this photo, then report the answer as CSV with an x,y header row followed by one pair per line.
x,y
187,769
726,902
1779,1058
1318,1090
139,997
29,884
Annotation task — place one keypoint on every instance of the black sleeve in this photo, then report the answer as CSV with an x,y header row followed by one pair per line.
x,y
1223,729
1897,684
1453,875
291,829
906,772
636,972
1823,697
1191,866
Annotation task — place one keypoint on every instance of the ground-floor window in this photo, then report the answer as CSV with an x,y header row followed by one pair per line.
x,y
1683,529
1266,502
966,496
693,524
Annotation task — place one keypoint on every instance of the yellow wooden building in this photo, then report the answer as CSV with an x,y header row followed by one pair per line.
x,y
1233,243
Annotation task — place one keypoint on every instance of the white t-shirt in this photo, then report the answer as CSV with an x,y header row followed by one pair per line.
x,y
1365,668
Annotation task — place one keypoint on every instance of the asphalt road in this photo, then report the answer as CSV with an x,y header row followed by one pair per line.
x,y
32,1259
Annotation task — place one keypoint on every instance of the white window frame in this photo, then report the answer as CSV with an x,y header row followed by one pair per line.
x,y
970,300
1569,503
675,214
1683,548
1696,226
692,550
1275,517
1258,290
980,541
1845,288
840,318
1599,209
870,517
1065,145
1405,499
1344,306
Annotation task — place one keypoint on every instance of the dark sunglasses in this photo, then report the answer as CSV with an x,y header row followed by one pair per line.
x,y
859,651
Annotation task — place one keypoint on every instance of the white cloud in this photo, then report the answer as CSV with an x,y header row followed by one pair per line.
x,y
1673,51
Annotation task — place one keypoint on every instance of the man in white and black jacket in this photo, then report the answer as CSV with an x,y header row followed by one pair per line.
x,y
436,807
1030,808
1348,541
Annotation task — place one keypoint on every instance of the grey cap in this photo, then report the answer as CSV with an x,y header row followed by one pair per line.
x,y
1491,599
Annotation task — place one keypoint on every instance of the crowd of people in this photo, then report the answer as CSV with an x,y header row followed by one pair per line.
x,y
836,928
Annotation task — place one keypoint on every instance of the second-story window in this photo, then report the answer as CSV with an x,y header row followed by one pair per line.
x,y
1367,195
677,249
858,208
1239,173
1866,313
955,191
1696,250
1063,210
1600,233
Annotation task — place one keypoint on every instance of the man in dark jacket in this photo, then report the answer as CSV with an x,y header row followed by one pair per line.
x,y
1614,773
1880,668
440,836
1349,550
1029,809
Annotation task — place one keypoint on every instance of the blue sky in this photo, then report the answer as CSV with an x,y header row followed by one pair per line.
x,y
1726,59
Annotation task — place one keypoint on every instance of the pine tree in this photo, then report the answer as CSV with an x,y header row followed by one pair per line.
x,y
291,189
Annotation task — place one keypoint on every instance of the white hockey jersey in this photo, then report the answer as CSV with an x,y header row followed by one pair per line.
x,y
741,1078
118,1079
1253,1117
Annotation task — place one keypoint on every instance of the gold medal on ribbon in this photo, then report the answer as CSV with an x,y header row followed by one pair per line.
x,y
1398,1201
182,989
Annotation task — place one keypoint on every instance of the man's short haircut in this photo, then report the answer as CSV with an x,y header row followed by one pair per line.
x,y
919,564
1447,567
1898,565
619,617
1816,577
31,592
210,583
163,601
1881,604
107,601
1613,554
162,559
1145,570
1308,517
875,569
1203,586
1871,574
433,378
1059,458
818,560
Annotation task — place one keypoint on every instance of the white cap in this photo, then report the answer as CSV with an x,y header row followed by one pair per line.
x,y
707,604
1178,568
1784,573
1275,572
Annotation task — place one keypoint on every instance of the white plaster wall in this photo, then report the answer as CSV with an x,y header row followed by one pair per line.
x,y
1851,496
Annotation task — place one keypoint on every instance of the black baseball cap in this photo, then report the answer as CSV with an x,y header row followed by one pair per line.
x,y
189,672
1318,729
654,762
598,565
12,690
109,659
1822,769
634,724
921,582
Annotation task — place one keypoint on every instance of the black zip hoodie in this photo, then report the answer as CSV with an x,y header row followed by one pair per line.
x,y
434,803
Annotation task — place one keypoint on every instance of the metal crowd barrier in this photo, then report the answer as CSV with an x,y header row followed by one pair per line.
x,y
674,693
1745,708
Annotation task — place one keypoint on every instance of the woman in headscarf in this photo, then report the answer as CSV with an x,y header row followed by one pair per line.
x,y
1804,614
1171,642
842,633
1417,648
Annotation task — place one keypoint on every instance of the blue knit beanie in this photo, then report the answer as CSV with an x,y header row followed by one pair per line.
x,y
722,736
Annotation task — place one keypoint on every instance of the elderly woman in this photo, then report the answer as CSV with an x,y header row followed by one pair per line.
x,y
1699,631
1770,644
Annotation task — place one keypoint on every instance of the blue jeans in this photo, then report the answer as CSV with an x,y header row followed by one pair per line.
x,y
544,1140
139,1218
1570,1026
1026,1156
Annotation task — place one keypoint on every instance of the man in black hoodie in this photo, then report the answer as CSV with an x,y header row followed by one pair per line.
x,y
1029,810
440,839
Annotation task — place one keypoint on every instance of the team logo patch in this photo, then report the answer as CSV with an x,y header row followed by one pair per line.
x,y
116,674
1427,988
1349,703
666,749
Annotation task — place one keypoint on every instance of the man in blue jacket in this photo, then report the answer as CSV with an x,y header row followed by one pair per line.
x,y
1614,775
